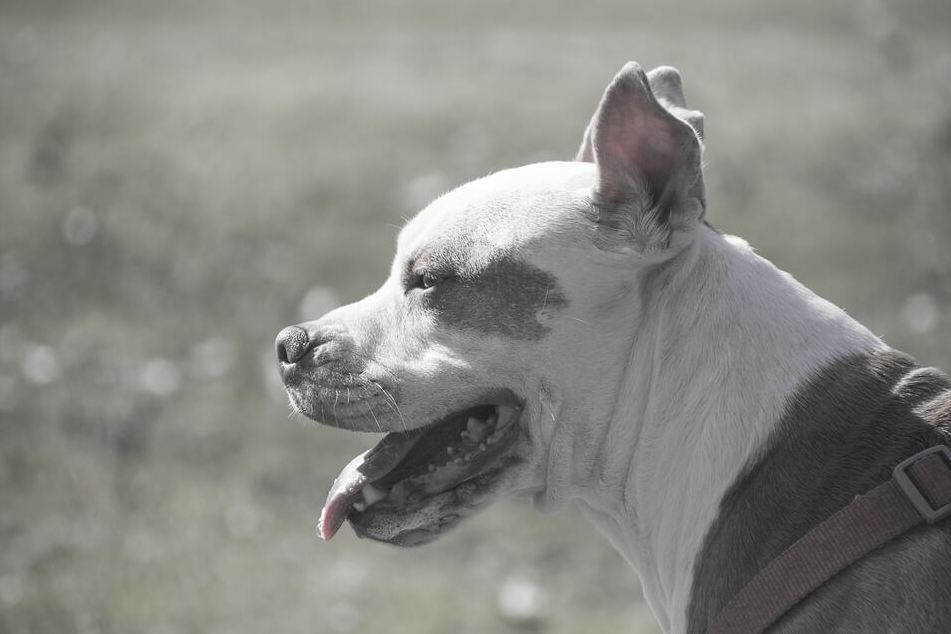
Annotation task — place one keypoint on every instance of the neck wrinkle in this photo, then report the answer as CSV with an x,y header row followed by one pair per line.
x,y
725,339
610,500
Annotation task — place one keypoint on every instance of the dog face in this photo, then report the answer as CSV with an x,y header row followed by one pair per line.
x,y
504,321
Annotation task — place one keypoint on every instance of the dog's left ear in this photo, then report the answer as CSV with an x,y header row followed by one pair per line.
x,y
646,144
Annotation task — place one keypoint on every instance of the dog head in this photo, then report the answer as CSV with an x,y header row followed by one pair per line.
x,y
505,322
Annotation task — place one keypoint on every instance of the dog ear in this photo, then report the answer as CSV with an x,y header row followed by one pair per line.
x,y
646,144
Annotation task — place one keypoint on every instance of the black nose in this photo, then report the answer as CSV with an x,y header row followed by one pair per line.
x,y
291,344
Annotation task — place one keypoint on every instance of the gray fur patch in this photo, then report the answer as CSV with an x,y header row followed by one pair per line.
x,y
842,434
504,296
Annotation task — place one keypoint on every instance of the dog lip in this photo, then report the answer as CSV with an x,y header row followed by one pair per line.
x,y
375,464
362,470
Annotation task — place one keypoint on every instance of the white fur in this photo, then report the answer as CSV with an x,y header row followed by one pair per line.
x,y
728,338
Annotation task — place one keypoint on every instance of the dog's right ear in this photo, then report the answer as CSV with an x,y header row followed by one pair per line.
x,y
646,145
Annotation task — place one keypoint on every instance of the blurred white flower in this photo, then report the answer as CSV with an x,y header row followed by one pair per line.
x,y
160,377
522,601
80,226
40,365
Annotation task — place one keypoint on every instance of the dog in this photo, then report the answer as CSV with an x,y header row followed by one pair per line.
x,y
578,331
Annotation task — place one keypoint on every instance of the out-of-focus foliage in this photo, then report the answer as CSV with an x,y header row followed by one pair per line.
x,y
179,180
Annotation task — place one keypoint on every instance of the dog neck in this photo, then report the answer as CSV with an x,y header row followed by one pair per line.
x,y
723,339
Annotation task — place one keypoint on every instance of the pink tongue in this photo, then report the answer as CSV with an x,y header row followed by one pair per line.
x,y
369,466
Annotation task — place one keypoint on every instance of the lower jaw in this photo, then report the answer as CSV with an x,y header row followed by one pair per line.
x,y
401,530
418,480
425,519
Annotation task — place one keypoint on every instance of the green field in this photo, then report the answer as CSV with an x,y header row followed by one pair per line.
x,y
180,180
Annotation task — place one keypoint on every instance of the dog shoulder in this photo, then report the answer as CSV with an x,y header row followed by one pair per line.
x,y
905,587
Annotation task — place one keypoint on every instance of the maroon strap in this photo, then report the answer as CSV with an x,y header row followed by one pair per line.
x,y
919,491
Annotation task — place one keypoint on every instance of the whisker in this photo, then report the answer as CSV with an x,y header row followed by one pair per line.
x,y
370,407
586,323
393,404
334,409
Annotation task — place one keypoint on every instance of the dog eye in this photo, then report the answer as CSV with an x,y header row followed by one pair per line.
x,y
428,280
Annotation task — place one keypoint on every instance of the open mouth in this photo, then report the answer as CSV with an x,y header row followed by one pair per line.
x,y
457,455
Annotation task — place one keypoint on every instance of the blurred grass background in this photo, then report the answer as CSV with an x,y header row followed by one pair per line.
x,y
179,180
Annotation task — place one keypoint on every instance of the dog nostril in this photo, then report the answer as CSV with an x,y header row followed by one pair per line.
x,y
291,344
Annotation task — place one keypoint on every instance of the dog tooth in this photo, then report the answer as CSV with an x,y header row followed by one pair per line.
x,y
372,495
475,427
506,414
359,507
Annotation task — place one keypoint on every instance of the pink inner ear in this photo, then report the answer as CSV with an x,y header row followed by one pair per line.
x,y
643,144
